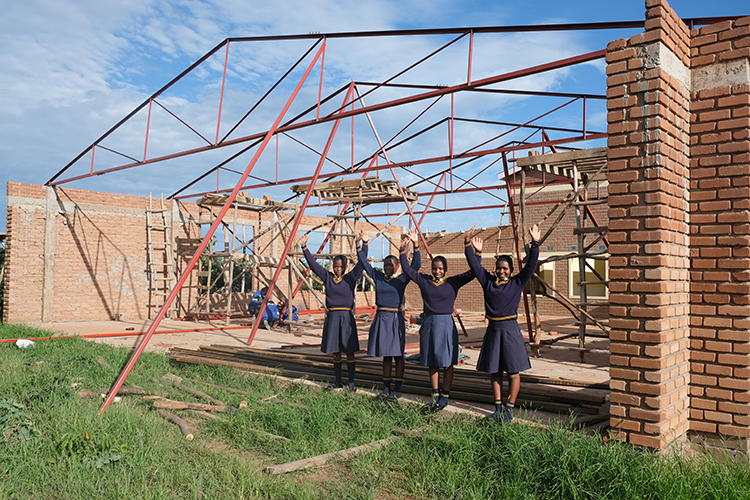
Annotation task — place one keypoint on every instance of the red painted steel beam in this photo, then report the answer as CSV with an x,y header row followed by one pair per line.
x,y
139,107
273,87
188,269
518,246
295,226
424,161
536,93
431,198
563,63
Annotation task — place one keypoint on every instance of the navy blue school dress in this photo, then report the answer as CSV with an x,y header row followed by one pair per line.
x,y
438,336
388,330
503,347
339,327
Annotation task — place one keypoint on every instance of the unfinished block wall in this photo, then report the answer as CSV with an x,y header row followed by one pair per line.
x,y
678,184
77,255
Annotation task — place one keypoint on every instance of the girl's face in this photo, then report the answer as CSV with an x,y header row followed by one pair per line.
x,y
438,271
338,267
390,267
502,270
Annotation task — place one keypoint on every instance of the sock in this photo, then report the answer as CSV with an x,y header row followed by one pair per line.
x,y
498,405
387,384
337,372
509,407
435,394
350,371
398,383
445,394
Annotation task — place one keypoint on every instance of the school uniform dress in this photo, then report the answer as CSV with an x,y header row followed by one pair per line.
x,y
388,331
438,336
503,348
339,327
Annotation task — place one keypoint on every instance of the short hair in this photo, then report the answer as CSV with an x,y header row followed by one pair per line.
x,y
342,258
440,258
505,258
392,258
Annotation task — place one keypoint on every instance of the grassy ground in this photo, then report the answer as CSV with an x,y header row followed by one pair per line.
x,y
55,446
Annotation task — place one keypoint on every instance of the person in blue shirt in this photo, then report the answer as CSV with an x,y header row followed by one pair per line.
x,y
339,327
438,336
503,347
388,330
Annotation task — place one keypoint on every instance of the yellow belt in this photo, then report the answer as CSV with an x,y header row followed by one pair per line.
x,y
388,309
514,316
340,309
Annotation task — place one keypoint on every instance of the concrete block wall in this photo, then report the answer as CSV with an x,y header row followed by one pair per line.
x,y
678,178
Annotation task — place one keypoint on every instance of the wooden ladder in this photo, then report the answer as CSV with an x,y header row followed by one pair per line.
x,y
160,264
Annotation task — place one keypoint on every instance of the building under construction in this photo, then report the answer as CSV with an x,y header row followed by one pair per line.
x,y
645,224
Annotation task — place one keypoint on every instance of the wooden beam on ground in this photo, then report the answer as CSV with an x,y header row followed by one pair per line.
x,y
177,421
307,463
176,381
169,404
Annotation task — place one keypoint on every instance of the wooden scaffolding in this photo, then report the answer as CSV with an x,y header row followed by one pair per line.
x,y
350,196
580,169
244,245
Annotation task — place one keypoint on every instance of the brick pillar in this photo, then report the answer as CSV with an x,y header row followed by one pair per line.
x,y
720,229
648,115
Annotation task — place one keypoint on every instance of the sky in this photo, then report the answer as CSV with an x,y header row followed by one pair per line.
x,y
72,69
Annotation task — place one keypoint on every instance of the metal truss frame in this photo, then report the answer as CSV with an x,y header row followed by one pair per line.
x,y
444,180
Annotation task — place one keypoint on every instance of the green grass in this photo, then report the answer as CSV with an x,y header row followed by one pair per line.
x,y
54,445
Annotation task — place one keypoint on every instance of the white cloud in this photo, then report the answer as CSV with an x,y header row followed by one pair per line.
x,y
72,69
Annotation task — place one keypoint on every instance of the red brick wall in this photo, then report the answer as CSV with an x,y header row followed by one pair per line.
x,y
720,235
100,256
679,267
99,259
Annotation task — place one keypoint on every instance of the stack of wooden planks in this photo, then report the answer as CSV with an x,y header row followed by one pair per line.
x,y
538,393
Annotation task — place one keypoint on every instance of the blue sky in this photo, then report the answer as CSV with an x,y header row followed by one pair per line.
x,y
72,69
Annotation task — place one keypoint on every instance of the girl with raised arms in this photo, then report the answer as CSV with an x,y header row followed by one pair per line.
x,y
339,328
388,332
503,348
438,336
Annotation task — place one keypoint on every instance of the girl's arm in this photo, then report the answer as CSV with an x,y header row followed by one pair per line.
x,y
471,247
362,259
530,268
460,280
408,270
416,259
356,273
316,268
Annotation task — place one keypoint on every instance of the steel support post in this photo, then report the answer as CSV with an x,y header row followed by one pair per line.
x,y
295,226
188,269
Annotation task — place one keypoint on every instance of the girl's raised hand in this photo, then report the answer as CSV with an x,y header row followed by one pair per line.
x,y
477,243
535,233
